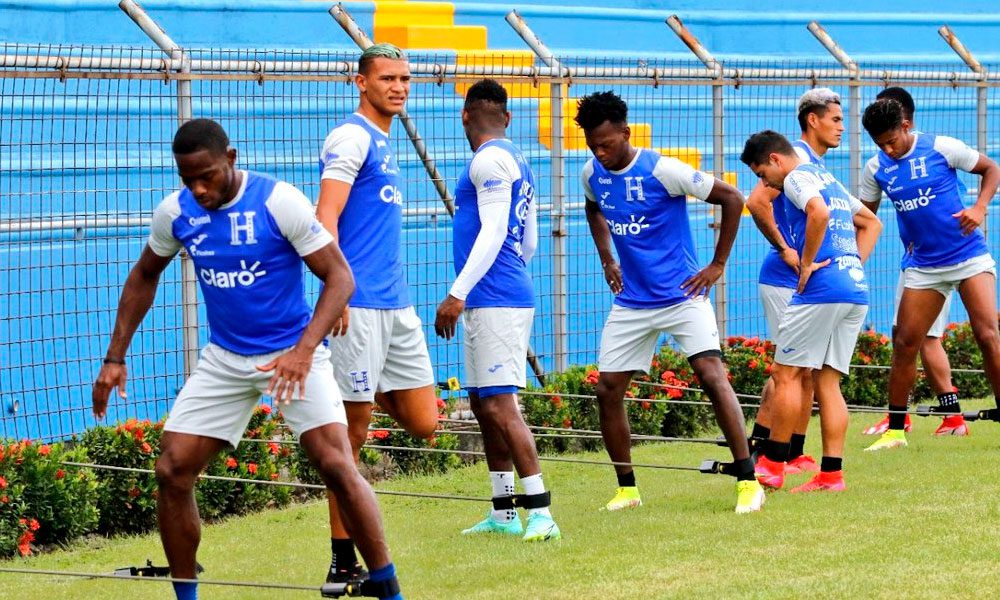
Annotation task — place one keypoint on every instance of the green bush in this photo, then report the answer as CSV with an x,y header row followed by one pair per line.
x,y
126,502
960,344
868,387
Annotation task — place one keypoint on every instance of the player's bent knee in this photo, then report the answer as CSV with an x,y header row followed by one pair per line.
x,y
172,474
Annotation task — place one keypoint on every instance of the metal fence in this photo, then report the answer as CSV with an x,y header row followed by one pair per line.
x,y
84,159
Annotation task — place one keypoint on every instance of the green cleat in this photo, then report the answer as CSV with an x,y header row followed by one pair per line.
x,y
625,497
541,528
491,525
749,496
892,438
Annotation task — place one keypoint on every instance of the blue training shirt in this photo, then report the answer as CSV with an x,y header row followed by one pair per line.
x,y
774,271
843,280
925,191
497,173
247,256
645,205
371,225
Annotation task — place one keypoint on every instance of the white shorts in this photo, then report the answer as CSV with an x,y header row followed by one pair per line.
x,y
383,350
813,335
945,279
775,300
629,337
219,397
940,323
496,345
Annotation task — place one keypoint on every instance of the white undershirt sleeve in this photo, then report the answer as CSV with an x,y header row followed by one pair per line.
x,y
681,179
161,236
493,172
530,242
957,153
585,175
868,188
801,187
344,152
296,219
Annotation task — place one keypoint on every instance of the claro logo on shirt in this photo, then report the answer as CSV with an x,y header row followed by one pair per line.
x,y
633,227
245,277
390,194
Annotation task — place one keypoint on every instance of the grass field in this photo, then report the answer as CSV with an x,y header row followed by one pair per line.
x,y
921,522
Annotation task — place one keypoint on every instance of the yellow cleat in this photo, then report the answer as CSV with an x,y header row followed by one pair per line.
x,y
749,496
892,438
625,497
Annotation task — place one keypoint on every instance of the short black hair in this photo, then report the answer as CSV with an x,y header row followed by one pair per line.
x,y
882,116
200,134
903,97
595,109
762,144
488,91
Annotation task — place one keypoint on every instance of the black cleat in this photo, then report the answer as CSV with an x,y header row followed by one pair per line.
x,y
353,574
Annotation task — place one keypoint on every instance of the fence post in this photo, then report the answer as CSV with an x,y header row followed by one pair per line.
x,y
718,149
189,280
854,110
558,95
982,89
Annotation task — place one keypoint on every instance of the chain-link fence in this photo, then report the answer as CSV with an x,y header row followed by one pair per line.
x,y
84,158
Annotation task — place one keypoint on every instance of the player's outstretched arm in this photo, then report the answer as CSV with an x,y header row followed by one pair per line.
x,y
867,227
971,218
291,368
137,296
601,234
731,201
760,203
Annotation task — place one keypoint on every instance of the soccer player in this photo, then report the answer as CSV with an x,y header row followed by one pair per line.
x,y
248,236
495,235
821,121
638,199
917,171
377,346
834,234
932,354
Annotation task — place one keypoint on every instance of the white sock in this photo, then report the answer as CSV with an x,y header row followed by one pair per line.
x,y
503,485
534,485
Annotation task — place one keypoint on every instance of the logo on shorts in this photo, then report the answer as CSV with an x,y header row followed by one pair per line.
x,y
787,350
360,381
495,368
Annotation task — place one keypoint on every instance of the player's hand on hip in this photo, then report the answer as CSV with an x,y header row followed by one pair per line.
x,y
290,372
340,327
701,282
791,258
112,375
446,318
806,272
613,277
970,218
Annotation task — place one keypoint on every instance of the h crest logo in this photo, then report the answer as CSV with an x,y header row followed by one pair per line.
x,y
634,184
360,381
918,165
246,228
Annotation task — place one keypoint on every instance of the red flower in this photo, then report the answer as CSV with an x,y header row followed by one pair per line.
x,y
274,447
146,448
134,493
432,441
592,377
760,350
674,393
884,339
252,468
952,326
380,434
753,363
231,463
557,401
667,376
274,476
44,450
3,483
645,405
264,408
440,404
567,423
59,474
4,499
768,369
24,543
630,393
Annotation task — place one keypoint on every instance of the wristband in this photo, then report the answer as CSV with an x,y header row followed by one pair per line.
x,y
114,361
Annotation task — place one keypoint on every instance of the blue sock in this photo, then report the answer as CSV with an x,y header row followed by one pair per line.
x,y
384,574
185,590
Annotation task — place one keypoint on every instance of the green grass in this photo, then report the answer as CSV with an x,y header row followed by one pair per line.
x,y
921,522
